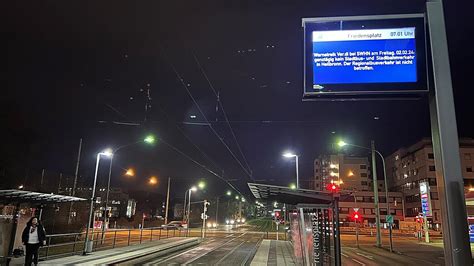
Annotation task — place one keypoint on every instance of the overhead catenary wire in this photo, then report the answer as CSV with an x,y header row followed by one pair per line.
x,y
200,164
189,139
207,120
223,112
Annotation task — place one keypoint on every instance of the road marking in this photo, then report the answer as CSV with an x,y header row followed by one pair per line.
x,y
361,263
365,256
344,255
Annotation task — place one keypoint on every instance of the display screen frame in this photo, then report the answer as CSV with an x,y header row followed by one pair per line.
x,y
370,90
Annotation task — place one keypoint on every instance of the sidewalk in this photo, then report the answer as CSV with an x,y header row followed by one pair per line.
x,y
122,254
273,252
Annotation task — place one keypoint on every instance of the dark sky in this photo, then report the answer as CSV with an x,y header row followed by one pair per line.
x,y
71,64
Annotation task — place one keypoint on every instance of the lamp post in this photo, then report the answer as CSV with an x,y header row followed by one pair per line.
x,y
194,188
374,170
291,155
87,243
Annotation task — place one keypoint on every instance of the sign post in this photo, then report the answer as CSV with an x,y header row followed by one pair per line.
x,y
425,207
357,226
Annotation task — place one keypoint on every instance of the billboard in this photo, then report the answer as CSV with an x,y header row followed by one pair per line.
x,y
365,55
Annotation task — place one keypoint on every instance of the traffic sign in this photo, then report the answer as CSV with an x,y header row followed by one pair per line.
x,y
355,209
389,219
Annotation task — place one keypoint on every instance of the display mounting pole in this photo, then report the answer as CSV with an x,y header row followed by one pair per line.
x,y
444,132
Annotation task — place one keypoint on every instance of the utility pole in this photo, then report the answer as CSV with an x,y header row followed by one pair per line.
x,y
376,195
73,191
167,200
42,179
217,208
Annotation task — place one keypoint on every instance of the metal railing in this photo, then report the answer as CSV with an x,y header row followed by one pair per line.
x,y
59,245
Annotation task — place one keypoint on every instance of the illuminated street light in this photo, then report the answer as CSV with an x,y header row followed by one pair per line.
x,y
243,199
107,152
291,155
150,139
193,188
20,187
237,197
229,193
201,185
130,172
341,143
292,186
153,180
87,242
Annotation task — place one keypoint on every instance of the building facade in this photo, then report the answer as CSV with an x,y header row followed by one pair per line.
x,y
351,173
408,167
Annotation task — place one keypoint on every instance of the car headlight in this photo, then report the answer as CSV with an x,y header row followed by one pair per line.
x,y
232,221
243,220
227,221
214,225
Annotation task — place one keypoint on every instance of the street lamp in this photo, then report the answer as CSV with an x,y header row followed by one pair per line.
x,y
153,180
130,172
150,139
201,185
229,193
193,188
291,155
292,186
87,243
341,144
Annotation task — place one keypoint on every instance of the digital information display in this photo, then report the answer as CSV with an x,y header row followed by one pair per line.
x,y
364,56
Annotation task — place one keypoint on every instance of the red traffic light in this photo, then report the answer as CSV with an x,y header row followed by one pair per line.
x,y
332,187
356,216
277,214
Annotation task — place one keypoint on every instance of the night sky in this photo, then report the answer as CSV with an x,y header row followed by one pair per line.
x,y
74,67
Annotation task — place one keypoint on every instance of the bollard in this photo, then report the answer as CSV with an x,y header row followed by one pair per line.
x,y
129,230
151,234
115,237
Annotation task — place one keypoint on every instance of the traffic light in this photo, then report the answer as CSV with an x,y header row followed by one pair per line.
x,y
277,214
332,188
419,219
356,216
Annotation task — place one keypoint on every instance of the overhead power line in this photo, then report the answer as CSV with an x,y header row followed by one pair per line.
x,y
223,111
205,118
200,164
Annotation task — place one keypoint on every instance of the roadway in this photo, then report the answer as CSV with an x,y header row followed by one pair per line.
x,y
408,251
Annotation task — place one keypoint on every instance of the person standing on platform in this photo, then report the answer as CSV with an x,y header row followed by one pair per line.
x,y
33,238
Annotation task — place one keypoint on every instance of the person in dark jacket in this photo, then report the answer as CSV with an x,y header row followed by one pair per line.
x,y
33,237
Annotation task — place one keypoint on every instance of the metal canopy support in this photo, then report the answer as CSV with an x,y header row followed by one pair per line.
x,y
446,144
